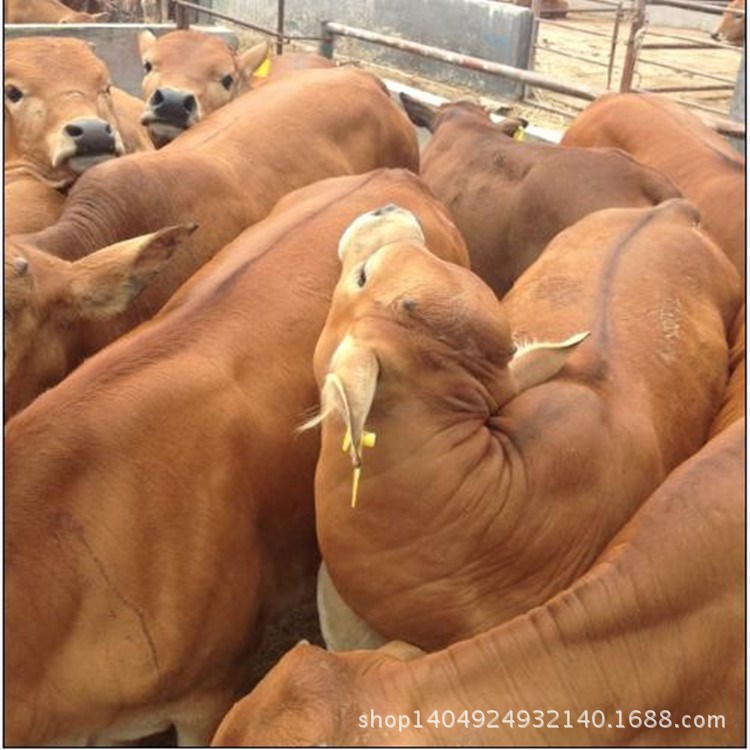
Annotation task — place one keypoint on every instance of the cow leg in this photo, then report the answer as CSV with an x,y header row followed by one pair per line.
x,y
342,628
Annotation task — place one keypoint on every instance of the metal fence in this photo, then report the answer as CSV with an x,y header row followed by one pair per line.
x,y
619,10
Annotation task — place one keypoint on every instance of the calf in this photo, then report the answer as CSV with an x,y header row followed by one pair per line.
x,y
188,75
667,137
503,464
225,174
646,649
159,501
509,199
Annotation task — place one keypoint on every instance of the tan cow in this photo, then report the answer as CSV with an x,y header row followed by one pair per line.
x,y
731,28
46,11
509,199
188,75
30,205
503,465
647,649
224,174
666,136
60,116
159,501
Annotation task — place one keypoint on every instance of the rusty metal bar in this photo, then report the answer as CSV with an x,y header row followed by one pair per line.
x,y
688,5
683,69
613,45
696,45
465,61
676,89
637,29
679,37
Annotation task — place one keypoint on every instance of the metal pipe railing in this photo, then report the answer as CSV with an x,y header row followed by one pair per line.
x,y
689,5
330,30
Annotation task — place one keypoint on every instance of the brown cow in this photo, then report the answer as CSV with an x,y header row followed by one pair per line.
x,y
188,75
46,11
225,174
493,483
159,501
60,116
667,137
733,407
652,638
731,28
509,199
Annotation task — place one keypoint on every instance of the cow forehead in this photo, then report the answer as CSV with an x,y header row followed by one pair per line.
x,y
51,62
191,49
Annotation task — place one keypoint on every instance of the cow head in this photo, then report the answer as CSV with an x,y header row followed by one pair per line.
x,y
406,325
46,300
59,118
731,28
188,75
429,116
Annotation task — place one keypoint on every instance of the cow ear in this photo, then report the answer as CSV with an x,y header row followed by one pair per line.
x,y
349,390
512,126
250,60
104,283
539,362
423,115
146,40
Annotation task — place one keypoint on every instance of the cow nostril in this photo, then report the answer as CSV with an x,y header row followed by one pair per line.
x,y
157,97
74,131
108,129
190,103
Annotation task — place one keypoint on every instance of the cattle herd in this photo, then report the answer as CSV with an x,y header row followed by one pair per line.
x,y
247,366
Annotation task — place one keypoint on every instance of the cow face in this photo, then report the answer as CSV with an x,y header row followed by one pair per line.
x,y
59,119
48,299
188,75
731,28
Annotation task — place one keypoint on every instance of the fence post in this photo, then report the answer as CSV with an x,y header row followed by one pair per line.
x,y
326,41
181,16
280,28
634,42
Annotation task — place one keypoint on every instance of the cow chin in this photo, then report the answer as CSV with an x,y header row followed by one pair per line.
x,y
80,164
162,133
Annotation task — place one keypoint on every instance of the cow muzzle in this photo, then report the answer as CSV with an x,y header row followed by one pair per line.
x,y
85,142
169,112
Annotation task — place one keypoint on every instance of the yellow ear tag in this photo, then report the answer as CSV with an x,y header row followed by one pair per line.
x,y
519,134
366,441
262,70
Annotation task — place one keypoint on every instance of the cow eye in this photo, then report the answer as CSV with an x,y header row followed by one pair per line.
x,y
361,276
13,93
148,67
227,82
